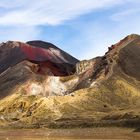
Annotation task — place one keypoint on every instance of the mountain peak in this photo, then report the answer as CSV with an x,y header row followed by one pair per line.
x,y
13,52
134,36
40,43
123,43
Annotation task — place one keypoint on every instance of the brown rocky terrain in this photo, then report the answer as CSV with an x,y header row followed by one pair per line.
x,y
21,63
54,89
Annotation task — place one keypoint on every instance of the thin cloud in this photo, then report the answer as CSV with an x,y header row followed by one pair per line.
x,y
11,4
52,12
125,14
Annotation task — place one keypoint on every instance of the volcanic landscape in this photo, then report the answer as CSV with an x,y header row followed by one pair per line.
x,y
43,86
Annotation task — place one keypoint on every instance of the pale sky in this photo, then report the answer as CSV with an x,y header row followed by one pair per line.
x,y
83,28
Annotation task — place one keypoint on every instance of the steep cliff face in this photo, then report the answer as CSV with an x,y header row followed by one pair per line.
x,y
84,65
102,91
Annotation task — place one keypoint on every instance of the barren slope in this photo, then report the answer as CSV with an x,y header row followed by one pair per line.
x,y
20,63
103,91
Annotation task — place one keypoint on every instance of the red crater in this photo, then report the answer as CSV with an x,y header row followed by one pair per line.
x,y
37,54
49,59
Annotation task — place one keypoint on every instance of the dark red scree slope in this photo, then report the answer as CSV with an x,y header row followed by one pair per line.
x,y
50,58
